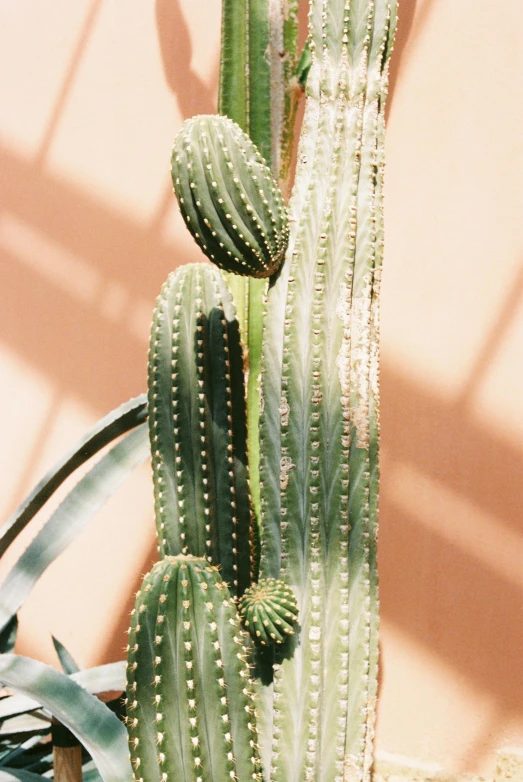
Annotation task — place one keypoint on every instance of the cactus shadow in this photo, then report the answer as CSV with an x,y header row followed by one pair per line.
x,y
194,96
450,522
266,657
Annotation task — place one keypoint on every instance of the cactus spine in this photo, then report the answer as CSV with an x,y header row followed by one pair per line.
x,y
189,700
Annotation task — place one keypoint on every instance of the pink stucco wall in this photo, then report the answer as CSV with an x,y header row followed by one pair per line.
x,y
91,96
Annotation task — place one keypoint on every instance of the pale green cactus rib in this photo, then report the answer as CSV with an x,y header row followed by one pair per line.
x,y
374,406
197,423
228,198
315,397
189,695
363,597
275,410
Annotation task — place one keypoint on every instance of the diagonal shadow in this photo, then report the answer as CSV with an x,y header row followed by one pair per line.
x,y
448,445
438,593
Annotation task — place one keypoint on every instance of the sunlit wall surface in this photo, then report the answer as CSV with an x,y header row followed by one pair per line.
x,y
91,96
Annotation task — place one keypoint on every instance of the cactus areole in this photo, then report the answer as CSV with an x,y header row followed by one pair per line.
x,y
297,701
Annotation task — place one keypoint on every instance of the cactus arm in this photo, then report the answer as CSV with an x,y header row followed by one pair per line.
x,y
190,712
197,423
228,197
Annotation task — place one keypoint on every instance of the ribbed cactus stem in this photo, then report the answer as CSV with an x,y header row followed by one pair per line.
x,y
197,423
245,77
228,197
285,89
189,695
315,431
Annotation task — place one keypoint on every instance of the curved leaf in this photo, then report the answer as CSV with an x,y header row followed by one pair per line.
x,y
101,678
114,424
70,518
24,723
19,775
66,660
94,725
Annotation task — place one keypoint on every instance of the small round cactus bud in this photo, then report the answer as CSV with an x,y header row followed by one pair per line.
x,y
228,197
269,611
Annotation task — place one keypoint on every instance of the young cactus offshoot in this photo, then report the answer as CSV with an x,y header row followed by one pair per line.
x,y
189,696
228,197
269,611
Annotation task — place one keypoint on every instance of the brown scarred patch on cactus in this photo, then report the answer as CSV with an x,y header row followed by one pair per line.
x,y
269,611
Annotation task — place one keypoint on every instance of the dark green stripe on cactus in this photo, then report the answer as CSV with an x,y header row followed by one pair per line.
x,y
189,694
269,611
197,423
228,197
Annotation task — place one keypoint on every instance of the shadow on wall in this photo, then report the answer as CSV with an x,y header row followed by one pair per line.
x,y
457,603
454,603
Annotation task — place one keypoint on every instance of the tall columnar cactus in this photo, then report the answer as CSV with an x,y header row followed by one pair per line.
x,y
318,467
319,441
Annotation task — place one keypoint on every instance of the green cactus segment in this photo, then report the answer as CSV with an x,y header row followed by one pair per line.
x,y
228,198
269,611
233,95
259,34
364,406
315,422
245,74
189,695
286,89
197,423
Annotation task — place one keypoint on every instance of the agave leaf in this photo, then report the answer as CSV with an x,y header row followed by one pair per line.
x,y
101,678
14,749
8,636
24,723
114,424
70,518
94,725
19,775
66,660
89,773
16,704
